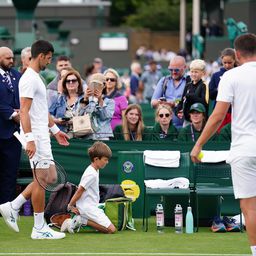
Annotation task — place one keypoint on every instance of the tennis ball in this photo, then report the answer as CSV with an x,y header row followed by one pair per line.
x,y
201,155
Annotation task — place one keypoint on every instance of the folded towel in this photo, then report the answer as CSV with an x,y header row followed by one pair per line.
x,y
162,158
210,156
182,183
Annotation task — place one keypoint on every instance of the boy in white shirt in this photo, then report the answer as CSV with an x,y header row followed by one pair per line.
x,y
85,201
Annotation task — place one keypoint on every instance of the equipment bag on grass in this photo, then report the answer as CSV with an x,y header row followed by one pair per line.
x,y
58,201
119,211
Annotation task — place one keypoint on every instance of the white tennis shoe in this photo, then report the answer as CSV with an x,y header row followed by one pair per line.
x,y
46,233
10,216
71,224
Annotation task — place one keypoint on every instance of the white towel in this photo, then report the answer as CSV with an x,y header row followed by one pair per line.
x,y
182,183
162,158
210,156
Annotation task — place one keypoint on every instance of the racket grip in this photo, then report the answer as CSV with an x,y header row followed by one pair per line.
x,y
20,139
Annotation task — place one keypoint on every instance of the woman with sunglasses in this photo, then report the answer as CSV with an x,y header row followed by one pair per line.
x,y
66,105
163,128
111,91
132,128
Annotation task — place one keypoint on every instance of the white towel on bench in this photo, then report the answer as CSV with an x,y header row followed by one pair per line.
x,y
211,156
182,183
162,158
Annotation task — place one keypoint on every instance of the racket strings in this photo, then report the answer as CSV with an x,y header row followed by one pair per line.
x,y
52,177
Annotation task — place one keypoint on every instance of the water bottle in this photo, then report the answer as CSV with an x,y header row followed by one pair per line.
x,y
178,216
189,221
160,218
27,208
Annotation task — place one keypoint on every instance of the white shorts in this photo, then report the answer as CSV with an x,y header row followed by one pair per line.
x,y
244,176
96,215
43,149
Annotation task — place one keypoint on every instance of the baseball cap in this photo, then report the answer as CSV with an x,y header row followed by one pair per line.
x,y
199,107
97,78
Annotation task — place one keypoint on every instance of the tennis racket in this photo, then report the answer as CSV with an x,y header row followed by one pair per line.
x,y
49,174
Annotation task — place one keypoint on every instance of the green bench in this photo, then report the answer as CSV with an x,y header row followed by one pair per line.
x,y
153,172
212,179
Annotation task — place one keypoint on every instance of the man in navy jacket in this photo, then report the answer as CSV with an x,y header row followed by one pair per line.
x,y
10,148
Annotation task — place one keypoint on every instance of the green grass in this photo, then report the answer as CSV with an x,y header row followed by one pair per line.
x,y
129,242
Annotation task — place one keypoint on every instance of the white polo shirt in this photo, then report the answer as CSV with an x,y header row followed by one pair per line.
x,y
32,86
238,87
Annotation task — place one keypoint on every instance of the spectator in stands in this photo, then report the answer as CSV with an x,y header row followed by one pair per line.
x,y
170,88
195,91
25,57
192,131
98,65
67,104
62,62
135,91
100,109
111,91
228,59
163,128
149,80
132,128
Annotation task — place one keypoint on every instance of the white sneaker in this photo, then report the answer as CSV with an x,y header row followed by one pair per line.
x,y
46,233
71,224
10,216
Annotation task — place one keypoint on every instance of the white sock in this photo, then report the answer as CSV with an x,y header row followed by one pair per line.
x,y
18,202
38,220
253,249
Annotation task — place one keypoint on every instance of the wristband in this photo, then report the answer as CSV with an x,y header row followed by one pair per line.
x,y
54,129
29,137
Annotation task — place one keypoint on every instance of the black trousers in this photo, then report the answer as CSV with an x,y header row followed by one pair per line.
x,y
10,152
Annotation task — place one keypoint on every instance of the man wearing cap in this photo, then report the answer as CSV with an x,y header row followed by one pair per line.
x,y
149,80
170,88
191,132
100,110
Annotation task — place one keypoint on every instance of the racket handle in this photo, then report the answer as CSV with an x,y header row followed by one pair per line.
x,y
20,139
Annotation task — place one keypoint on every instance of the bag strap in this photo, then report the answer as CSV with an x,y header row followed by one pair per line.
x,y
164,85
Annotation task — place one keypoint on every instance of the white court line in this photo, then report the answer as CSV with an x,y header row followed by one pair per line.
x,y
123,253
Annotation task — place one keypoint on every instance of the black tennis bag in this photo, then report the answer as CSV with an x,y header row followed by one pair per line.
x,y
58,201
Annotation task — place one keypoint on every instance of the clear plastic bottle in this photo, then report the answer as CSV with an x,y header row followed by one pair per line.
x,y
160,218
189,221
178,216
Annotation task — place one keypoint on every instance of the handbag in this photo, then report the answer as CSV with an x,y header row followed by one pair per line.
x,y
82,125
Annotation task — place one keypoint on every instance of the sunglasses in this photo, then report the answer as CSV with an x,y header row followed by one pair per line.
x,y
68,81
176,70
162,115
110,79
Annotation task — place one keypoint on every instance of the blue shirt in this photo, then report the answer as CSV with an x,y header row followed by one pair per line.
x,y
172,92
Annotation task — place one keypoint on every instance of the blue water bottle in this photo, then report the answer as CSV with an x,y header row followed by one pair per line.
x,y
189,221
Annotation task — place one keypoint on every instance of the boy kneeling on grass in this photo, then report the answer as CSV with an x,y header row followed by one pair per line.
x,y
84,202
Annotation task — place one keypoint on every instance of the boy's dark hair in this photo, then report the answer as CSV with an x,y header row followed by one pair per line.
x,y
99,149
63,57
41,46
246,44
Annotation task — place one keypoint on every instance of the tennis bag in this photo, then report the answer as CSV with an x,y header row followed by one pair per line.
x,y
108,191
119,211
58,201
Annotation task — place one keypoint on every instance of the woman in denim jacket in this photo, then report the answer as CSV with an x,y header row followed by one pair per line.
x,y
67,104
100,110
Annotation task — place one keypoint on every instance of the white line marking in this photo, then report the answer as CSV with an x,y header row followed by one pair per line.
x,y
123,253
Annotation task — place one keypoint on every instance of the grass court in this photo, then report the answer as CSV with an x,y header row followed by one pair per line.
x,y
123,243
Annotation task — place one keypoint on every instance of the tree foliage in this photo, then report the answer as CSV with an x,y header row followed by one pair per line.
x,y
152,14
